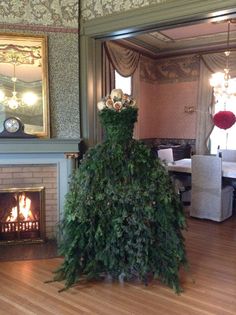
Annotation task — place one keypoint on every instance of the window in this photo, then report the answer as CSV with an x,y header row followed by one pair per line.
x,y
220,137
123,83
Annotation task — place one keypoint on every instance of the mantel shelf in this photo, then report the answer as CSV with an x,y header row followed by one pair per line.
x,y
39,145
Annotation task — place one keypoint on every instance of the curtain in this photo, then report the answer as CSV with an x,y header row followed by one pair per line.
x,y
204,110
124,60
108,73
217,62
116,57
209,63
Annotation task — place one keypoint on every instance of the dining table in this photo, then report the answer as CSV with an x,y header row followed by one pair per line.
x,y
185,166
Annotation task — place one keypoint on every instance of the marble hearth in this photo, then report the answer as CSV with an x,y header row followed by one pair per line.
x,y
35,162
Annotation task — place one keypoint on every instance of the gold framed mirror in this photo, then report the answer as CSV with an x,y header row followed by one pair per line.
x,y
24,82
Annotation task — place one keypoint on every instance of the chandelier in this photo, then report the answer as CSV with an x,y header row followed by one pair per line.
x,y
15,100
224,87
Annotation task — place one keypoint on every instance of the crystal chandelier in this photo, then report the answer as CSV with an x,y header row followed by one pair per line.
x,y
14,100
224,86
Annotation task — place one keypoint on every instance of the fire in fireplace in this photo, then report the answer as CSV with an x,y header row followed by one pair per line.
x,y
22,215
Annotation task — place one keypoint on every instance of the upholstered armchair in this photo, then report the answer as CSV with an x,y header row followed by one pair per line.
x,y
227,155
209,199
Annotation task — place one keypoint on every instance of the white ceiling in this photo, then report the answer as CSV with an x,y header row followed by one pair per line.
x,y
184,39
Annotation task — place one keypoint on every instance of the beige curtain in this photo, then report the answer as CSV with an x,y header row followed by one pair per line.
x,y
124,60
204,110
119,58
217,62
209,63
108,73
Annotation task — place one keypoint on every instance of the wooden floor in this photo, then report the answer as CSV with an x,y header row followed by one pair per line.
x,y
209,286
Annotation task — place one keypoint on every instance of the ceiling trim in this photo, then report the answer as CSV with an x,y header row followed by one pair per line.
x,y
159,16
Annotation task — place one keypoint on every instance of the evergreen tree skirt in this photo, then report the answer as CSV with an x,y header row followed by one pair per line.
x,y
122,216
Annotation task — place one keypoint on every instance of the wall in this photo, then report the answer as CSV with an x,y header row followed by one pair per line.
x,y
162,114
97,8
58,20
166,87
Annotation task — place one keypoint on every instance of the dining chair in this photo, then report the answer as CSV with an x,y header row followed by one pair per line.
x,y
181,182
227,155
209,199
166,155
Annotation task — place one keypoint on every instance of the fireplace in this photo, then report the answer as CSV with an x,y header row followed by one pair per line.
x,y
22,215
36,163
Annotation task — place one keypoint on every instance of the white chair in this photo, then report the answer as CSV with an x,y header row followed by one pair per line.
x,y
181,183
166,155
209,200
227,155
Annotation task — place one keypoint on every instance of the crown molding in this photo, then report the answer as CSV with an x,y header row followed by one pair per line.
x,y
172,12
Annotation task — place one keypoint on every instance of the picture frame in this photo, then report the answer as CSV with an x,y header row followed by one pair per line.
x,y
24,73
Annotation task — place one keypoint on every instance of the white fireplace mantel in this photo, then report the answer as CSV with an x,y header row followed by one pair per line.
x,y
62,153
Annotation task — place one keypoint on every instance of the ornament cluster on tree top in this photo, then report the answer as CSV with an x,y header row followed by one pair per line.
x,y
116,101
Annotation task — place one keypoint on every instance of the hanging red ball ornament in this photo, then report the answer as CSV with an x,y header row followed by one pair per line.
x,y
224,119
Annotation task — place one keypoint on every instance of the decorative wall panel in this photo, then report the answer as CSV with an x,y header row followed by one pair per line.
x,y
63,13
64,85
91,9
58,19
181,69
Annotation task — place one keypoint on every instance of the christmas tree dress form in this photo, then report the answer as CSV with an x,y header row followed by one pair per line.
x,y
122,216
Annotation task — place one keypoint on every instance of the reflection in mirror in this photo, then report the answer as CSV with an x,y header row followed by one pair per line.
x,y
24,82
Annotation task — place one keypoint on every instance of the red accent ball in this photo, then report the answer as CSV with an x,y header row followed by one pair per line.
x,y
224,119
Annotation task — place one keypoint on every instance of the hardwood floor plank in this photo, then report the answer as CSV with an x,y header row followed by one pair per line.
x,y
41,302
209,286
33,289
12,308
36,281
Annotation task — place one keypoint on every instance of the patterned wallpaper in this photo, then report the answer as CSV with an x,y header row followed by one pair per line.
x,y
64,85
58,20
63,70
60,13
91,9
179,69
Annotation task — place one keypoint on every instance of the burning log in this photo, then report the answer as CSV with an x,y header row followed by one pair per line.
x,y
6,204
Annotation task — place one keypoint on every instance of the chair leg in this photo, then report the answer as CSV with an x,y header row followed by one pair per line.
x,y
183,190
234,201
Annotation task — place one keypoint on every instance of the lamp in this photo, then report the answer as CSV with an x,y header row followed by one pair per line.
x,y
14,101
224,86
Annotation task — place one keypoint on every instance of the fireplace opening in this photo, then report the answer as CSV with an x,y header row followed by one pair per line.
x,y
22,215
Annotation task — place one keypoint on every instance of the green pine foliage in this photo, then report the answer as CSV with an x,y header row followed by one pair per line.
x,y
121,213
